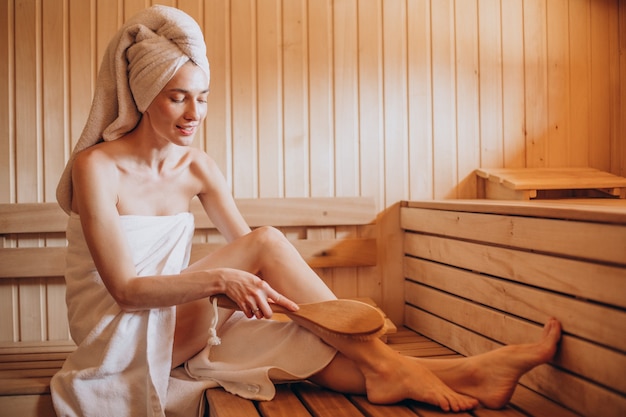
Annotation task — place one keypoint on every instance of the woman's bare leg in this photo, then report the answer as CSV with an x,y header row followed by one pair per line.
x,y
385,376
269,254
369,367
490,378
265,252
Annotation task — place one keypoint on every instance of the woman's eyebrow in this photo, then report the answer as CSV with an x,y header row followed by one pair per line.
x,y
184,91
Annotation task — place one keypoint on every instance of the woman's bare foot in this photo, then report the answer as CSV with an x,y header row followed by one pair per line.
x,y
407,379
492,377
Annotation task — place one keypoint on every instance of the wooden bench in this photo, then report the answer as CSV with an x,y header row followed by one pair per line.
x,y
477,274
337,237
480,274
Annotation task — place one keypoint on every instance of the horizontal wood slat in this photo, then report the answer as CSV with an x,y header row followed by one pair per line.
x,y
50,261
600,363
599,210
28,405
32,262
526,302
573,392
319,211
593,241
584,280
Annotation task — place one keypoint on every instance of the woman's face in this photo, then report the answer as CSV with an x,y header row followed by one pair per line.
x,y
178,110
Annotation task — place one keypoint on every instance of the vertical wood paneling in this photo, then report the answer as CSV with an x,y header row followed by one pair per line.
x,y
396,99
513,99
54,98
345,71
420,87
55,136
444,100
243,56
490,68
621,152
599,152
580,87
218,133
370,98
270,156
295,105
321,110
557,15
7,107
615,100
395,130
109,18
27,100
82,66
470,103
536,88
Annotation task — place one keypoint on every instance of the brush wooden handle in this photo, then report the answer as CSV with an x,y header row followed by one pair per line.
x,y
349,318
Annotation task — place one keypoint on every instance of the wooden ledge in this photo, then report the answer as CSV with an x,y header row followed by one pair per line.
x,y
529,183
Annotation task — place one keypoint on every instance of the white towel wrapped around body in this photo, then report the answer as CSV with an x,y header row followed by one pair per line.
x,y
121,366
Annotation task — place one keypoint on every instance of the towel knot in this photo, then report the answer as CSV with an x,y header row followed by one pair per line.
x,y
214,340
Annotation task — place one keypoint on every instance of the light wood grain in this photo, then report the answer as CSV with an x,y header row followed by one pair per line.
x,y
471,292
592,241
223,404
578,279
336,98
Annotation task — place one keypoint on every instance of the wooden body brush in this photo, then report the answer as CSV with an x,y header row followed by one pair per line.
x,y
346,318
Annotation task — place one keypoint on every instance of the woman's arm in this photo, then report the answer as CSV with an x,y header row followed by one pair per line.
x,y
95,179
217,200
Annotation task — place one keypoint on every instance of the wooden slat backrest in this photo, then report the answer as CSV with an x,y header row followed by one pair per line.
x,y
331,211
36,218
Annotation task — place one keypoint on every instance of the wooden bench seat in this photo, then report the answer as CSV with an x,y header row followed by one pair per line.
x,y
336,236
307,400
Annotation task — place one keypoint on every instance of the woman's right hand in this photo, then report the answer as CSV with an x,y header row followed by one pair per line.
x,y
252,294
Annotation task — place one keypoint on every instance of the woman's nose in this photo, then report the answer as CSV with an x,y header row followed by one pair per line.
x,y
192,111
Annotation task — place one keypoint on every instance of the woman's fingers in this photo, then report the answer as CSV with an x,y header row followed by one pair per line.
x,y
254,296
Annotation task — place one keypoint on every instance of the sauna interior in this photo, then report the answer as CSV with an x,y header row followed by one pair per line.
x,y
396,100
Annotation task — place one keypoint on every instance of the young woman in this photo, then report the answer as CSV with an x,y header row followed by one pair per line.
x,y
136,310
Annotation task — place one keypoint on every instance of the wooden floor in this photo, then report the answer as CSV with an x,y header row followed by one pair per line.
x,y
307,400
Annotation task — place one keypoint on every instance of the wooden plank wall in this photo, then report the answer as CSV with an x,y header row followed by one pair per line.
x,y
394,99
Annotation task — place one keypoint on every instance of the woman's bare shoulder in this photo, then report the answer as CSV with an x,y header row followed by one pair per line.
x,y
98,156
202,161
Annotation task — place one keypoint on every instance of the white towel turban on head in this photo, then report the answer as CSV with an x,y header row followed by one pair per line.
x,y
140,59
